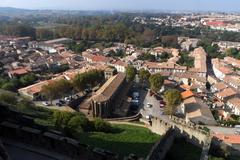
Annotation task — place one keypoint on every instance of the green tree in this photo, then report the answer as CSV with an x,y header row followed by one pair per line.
x,y
208,86
64,87
173,98
130,73
84,80
186,60
28,79
233,52
156,82
8,98
9,86
101,125
147,57
50,92
144,75
74,127
61,119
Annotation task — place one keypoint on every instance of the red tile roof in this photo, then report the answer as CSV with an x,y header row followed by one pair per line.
x,y
232,139
19,71
187,94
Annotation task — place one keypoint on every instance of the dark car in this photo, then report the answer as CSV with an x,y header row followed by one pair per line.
x,y
158,97
162,102
151,93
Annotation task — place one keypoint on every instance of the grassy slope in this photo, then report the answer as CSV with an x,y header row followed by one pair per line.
x,y
127,139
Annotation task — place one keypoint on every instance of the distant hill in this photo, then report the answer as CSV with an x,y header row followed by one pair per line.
x,y
11,10
18,12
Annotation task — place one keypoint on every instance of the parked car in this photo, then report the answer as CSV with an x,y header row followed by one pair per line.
x,y
148,117
158,97
162,102
67,99
135,102
151,93
136,95
162,105
45,103
59,103
237,132
149,105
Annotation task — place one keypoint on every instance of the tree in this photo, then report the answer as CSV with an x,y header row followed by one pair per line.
x,y
74,127
170,41
28,79
8,98
165,56
8,86
147,57
156,82
50,92
101,125
79,120
208,85
233,52
61,119
186,60
64,87
130,73
144,75
173,98
84,80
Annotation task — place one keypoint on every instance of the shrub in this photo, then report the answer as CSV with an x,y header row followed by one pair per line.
x,y
8,98
102,126
25,104
61,119
74,127
79,120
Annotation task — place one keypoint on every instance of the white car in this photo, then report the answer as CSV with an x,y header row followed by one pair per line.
x,y
148,117
45,103
67,99
149,105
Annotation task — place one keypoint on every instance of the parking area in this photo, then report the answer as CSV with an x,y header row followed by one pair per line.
x,y
152,106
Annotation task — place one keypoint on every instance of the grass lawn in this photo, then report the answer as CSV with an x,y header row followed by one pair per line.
x,y
127,139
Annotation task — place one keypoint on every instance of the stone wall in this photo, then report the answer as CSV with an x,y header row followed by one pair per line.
x,y
189,130
178,127
52,141
161,148
3,153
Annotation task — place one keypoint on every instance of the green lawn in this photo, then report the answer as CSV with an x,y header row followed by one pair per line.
x,y
127,139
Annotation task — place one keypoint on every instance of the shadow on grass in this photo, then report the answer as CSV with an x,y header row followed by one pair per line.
x,y
181,149
115,130
121,148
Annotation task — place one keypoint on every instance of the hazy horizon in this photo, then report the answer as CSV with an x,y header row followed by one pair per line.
x,y
155,5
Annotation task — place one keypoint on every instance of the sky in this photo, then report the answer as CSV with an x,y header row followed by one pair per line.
x,y
158,5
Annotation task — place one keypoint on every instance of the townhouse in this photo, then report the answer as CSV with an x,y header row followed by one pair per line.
x,y
234,105
226,94
220,69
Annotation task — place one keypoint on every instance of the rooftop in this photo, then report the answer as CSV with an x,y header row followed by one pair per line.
x,y
231,139
187,94
226,93
109,88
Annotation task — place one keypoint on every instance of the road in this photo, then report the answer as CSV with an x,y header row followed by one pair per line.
x,y
61,108
222,130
